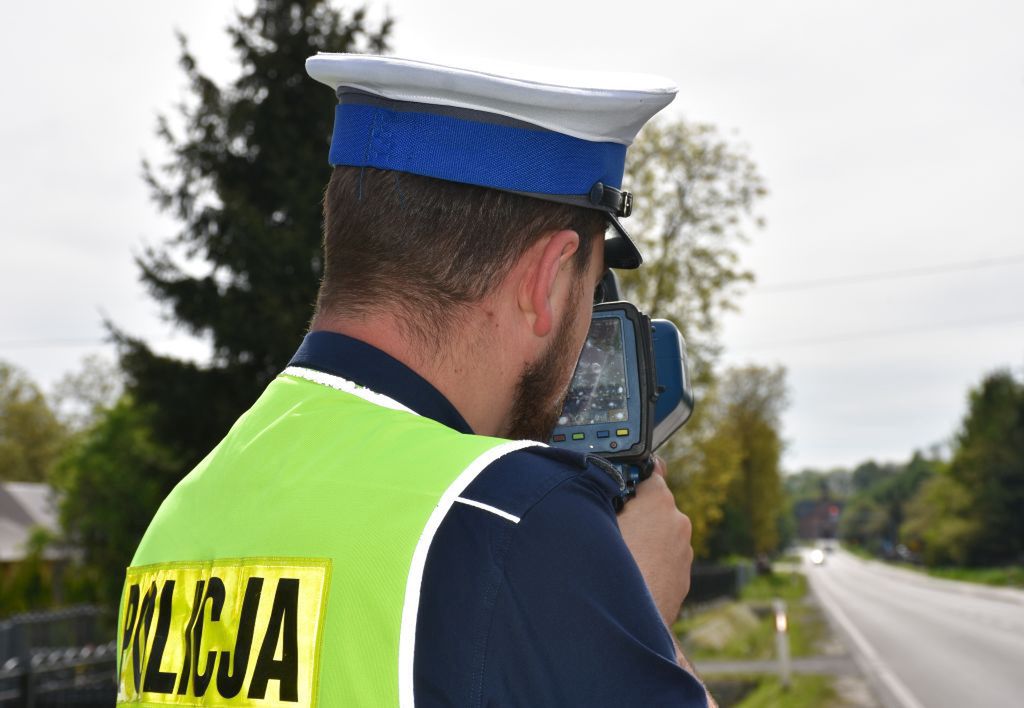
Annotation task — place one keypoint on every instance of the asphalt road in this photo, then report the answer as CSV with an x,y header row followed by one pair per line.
x,y
926,643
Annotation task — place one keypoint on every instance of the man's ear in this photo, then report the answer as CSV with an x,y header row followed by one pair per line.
x,y
539,282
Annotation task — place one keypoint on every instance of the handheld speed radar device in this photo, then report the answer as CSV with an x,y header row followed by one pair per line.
x,y
609,409
629,393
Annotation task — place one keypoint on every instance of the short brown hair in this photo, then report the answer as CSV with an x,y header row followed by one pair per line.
x,y
425,248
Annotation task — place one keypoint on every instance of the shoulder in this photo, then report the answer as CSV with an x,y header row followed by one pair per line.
x,y
517,482
530,596
465,572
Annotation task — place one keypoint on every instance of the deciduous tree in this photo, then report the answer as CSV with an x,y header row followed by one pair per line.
x,y
111,483
696,202
973,512
697,196
726,472
31,436
989,461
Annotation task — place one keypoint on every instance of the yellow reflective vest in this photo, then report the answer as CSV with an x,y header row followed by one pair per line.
x,y
285,569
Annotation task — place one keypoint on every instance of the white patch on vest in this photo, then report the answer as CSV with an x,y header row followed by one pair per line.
x,y
340,384
487,507
407,638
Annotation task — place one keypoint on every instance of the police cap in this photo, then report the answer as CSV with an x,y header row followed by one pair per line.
x,y
557,136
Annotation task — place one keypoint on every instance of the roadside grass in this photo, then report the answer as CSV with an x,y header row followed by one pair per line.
x,y
746,629
789,586
730,690
804,692
860,552
1011,576
728,631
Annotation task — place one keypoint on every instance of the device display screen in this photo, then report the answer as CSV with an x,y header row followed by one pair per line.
x,y
599,389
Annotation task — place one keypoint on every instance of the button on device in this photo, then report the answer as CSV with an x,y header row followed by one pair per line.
x,y
622,432
578,436
558,438
603,433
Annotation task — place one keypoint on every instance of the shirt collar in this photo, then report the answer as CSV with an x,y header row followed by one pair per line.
x,y
363,364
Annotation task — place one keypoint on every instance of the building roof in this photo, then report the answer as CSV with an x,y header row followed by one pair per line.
x,y
25,506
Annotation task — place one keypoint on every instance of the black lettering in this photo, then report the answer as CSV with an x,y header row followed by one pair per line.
x,y
284,613
131,617
142,634
158,681
230,676
201,679
186,666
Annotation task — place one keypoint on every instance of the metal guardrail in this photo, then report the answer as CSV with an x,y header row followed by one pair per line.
x,y
59,658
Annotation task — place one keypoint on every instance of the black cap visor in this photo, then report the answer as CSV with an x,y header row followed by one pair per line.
x,y
619,249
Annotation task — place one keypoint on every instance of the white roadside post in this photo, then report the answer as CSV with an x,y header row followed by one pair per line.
x,y
782,641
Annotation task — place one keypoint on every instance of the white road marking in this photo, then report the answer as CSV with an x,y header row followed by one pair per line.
x,y
875,663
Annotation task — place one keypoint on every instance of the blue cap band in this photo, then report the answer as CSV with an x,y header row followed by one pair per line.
x,y
501,154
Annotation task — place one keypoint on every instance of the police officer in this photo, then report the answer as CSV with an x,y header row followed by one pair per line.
x,y
385,525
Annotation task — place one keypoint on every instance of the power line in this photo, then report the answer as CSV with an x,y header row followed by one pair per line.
x,y
47,343
791,286
816,283
881,334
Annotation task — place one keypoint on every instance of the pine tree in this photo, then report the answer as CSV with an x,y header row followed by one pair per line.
x,y
246,180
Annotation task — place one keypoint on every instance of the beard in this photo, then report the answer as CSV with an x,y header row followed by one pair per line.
x,y
540,393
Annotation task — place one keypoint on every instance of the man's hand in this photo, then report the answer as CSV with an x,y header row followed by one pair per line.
x,y
658,536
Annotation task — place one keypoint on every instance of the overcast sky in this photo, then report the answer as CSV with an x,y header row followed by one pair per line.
x,y
891,135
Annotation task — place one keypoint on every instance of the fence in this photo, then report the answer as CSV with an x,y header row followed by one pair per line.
x,y
714,582
59,658
67,658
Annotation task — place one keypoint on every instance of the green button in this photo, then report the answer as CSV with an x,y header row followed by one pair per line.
x,y
622,432
578,436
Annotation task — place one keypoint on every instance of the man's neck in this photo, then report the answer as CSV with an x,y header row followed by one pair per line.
x,y
469,370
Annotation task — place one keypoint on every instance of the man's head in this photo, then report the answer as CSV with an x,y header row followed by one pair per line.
x,y
431,255
427,249
464,221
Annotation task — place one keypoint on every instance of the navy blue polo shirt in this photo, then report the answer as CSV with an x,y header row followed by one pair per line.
x,y
542,605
